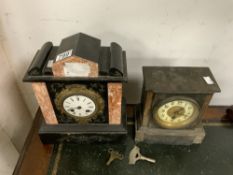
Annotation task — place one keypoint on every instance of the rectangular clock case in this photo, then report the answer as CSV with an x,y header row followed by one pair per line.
x,y
161,83
80,62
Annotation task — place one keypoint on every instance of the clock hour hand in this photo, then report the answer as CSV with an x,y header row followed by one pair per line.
x,y
71,109
174,116
177,113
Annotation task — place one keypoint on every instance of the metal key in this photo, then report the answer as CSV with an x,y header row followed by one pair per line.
x,y
135,155
114,155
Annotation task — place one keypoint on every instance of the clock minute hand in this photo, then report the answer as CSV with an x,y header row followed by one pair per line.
x,y
177,113
71,108
174,116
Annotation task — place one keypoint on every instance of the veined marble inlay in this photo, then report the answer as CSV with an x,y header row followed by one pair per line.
x,y
44,101
114,102
59,69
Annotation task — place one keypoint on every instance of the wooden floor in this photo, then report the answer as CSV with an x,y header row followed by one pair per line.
x,y
34,158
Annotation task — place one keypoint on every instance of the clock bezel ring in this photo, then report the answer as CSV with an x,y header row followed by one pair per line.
x,y
185,124
83,91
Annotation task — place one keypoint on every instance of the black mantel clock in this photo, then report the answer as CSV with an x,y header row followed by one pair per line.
x,y
174,100
79,88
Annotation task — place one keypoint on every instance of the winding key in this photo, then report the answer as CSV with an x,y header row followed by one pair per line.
x,y
114,155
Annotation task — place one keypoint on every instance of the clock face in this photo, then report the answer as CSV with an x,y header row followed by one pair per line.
x,y
176,112
80,103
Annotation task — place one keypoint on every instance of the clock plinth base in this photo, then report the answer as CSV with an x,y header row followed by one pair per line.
x,y
84,133
74,133
153,134
170,136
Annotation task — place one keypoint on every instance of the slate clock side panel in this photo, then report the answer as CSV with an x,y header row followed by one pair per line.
x,y
147,108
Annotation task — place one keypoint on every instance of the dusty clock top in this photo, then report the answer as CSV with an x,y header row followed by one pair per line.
x,y
180,80
109,61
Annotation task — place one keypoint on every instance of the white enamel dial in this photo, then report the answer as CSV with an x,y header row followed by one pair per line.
x,y
177,113
79,106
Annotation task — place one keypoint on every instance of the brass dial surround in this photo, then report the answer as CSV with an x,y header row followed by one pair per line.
x,y
80,103
176,112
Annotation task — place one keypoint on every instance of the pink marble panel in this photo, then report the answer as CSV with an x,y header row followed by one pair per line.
x,y
114,102
43,100
58,67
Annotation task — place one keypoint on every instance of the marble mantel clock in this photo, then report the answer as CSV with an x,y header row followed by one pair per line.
x,y
174,100
78,86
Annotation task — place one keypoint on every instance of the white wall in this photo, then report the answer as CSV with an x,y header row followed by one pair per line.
x,y
153,32
15,119
8,154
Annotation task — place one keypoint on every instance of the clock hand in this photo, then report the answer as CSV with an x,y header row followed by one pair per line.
x,y
71,108
174,116
185,115
177,113
180,110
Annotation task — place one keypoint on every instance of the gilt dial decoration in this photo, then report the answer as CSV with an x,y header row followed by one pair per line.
x,y
176,113
80,103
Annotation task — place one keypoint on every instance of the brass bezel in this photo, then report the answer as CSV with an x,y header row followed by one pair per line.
x,y
80,90
185,124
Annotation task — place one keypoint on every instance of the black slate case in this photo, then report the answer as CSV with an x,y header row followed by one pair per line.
x,y
112,68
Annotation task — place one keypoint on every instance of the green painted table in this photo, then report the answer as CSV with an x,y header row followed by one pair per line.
x,y
213,157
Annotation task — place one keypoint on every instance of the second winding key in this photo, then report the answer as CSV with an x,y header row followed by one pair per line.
x,y
114,155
